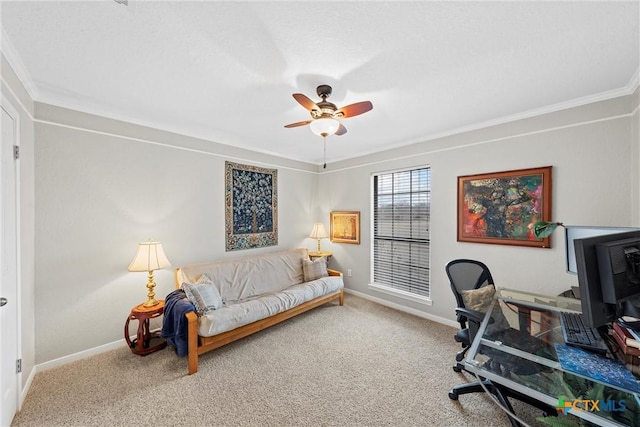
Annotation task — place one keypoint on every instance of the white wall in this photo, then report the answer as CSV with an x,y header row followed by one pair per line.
x,y
594,153
101,187
16,94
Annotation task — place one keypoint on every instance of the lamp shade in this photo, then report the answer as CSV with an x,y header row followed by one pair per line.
x,y
318,231
150,256
324,127
544,229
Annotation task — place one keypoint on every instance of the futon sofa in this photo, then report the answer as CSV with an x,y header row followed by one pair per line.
x,y
234,298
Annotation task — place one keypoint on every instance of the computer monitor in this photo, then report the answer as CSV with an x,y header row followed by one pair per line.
x,y
596,311
573,232
619,266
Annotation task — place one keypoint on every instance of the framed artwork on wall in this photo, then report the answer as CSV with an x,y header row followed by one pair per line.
x,y
251,207
502,207
345,227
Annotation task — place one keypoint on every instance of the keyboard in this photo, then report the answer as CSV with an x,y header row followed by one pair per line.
x,y
575,333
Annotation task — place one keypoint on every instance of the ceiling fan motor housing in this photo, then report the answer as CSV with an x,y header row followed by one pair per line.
x,y
324,91
326,110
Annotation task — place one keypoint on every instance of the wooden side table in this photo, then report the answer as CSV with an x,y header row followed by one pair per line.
x,y
318,254
326,254
146,341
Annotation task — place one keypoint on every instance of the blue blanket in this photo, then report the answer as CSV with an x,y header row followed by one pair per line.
x,y
174,323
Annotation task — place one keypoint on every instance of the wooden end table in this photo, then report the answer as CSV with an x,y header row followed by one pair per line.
x,y
318,254
146,341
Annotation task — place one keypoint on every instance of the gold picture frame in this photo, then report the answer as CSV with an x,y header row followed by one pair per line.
x,y
345,227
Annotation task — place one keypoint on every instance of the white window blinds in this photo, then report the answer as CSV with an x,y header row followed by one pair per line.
x,y
401,215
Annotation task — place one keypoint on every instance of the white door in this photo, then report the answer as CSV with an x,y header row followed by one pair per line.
x,y
8,268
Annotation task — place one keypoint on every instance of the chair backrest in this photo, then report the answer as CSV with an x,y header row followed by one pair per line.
x,y
464,275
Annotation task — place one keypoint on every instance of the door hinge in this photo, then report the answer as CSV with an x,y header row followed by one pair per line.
x,y
16,152
18,366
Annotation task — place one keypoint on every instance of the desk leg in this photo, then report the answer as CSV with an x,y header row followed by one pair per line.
x,y
524,319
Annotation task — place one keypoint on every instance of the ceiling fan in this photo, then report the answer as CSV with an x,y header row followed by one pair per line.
x,y
325,115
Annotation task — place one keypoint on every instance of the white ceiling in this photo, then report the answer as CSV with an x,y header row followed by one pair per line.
x,y
225,71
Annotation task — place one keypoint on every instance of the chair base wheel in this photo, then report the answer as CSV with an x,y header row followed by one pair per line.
x,y
457,368
453,395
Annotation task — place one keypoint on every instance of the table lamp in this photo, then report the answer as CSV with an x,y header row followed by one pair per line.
x,y
150,257
318,232
544,229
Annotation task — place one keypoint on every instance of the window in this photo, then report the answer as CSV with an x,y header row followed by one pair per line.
x,y
401,216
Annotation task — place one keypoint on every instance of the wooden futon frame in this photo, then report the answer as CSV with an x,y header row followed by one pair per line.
x,y
199,345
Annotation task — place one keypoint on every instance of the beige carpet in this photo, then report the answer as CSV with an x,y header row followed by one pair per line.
x,y
362,364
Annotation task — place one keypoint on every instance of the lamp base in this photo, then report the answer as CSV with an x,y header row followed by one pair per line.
x,y
151,295
151,302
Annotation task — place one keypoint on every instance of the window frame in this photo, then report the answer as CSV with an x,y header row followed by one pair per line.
x,y
384,288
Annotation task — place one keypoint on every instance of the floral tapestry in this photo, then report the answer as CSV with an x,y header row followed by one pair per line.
x,y
251,199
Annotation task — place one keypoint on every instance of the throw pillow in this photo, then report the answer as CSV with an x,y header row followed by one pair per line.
x,y
203,280
315,269
480,300
203,294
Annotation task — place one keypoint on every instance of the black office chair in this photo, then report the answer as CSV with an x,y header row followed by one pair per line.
x,y
465,275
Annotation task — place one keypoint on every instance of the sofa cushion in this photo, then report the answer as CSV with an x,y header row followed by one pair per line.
x,y
238,314
238,279
203,295
313,270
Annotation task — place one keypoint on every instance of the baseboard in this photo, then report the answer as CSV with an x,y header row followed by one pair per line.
x,y
79,356
67,359
63,361
25,389
405,309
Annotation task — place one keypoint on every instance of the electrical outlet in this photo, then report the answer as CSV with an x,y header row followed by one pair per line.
x,y
349,273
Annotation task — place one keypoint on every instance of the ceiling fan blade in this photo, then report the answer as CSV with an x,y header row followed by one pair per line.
x,y
354,109
341,130
305,102
296,124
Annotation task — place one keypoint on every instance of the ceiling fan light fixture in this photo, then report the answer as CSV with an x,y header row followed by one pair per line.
x,y
324,127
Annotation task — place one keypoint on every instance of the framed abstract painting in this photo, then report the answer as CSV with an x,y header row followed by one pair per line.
x,y
502,207
251,200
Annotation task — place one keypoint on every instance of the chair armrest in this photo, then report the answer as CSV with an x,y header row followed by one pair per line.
x,y
334,272
474,315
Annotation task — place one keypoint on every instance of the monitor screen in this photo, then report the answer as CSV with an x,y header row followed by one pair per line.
x,y
596,311
572,232
619,266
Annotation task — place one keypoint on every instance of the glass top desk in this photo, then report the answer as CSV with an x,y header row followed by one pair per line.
x,y
519,348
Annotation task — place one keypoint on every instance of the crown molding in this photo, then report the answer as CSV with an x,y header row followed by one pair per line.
x,y
18,66
634,82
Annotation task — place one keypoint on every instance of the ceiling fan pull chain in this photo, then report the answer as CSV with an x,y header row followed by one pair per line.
x,y
324,157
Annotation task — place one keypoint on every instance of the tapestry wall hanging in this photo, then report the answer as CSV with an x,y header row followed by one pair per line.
x,y
502,207
251,200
